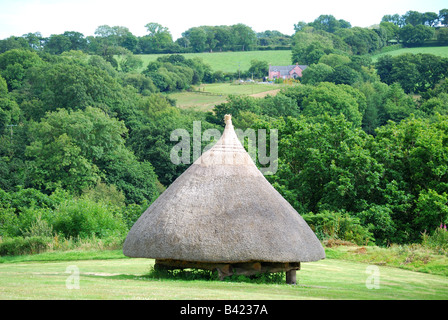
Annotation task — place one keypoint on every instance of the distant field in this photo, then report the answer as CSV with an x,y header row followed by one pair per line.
x,y
232,61
206,96
439,51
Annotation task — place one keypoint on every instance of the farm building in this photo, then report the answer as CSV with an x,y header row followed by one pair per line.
x,y
286,72
222,214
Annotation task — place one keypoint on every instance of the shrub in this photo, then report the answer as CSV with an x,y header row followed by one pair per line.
x,y
8,222
132,212
84,218
338,225
28,245
438,241
378,220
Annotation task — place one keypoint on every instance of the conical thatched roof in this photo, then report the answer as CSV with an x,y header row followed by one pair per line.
x,y
222,210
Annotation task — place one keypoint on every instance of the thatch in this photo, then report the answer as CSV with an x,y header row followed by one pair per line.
x,y
223,210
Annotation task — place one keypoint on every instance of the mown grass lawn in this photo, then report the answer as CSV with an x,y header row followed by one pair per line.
x,y
118,277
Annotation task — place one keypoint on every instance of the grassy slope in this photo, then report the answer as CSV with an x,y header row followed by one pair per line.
x,y
210,95
439,51
117,277
232,61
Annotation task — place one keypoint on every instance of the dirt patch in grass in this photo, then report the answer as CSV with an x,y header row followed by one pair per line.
x,y
264,94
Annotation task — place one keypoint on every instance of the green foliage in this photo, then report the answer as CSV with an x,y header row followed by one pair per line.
x,y
74,86
316,73
338,225
85,138
29,214
414,156
258,69
20,246
431,208
418,34
132,212
174,72
328,98
414,72
438,240
85,218
151,135
378,220
70,148
325,165
14,65
130,63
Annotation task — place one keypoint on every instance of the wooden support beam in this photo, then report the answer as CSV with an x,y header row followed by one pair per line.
x,y
228,269
291,277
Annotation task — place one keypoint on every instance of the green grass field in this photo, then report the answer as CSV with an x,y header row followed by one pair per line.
x,y
438,51
110,275
231,61
206,96
234,61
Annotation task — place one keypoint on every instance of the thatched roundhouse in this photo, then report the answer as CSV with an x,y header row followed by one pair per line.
x,y
223,214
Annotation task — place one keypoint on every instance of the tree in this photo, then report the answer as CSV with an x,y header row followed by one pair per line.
x,y
430,19
14,65
130,63
243,36
159,38
35,40
258,69
77,40
413,18
150,136
58,43
310,46
335,60
363,40
443,16
13,43
300,26
417,35
344,75
442,35
328,23
75,150
75,86
414,154
223,36
391,30
112,40
197,38
154,28
396,106
332,99
325,165
415,73
316,73
396,19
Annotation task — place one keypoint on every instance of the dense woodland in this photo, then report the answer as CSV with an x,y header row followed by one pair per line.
x,y
85,140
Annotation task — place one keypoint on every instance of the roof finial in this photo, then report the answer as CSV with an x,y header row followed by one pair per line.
x,y
228,117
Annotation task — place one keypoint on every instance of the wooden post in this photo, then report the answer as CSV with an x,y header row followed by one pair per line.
x,y
291,277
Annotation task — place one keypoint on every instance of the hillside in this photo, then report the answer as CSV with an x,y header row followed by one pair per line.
x,y
232,61
438,51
